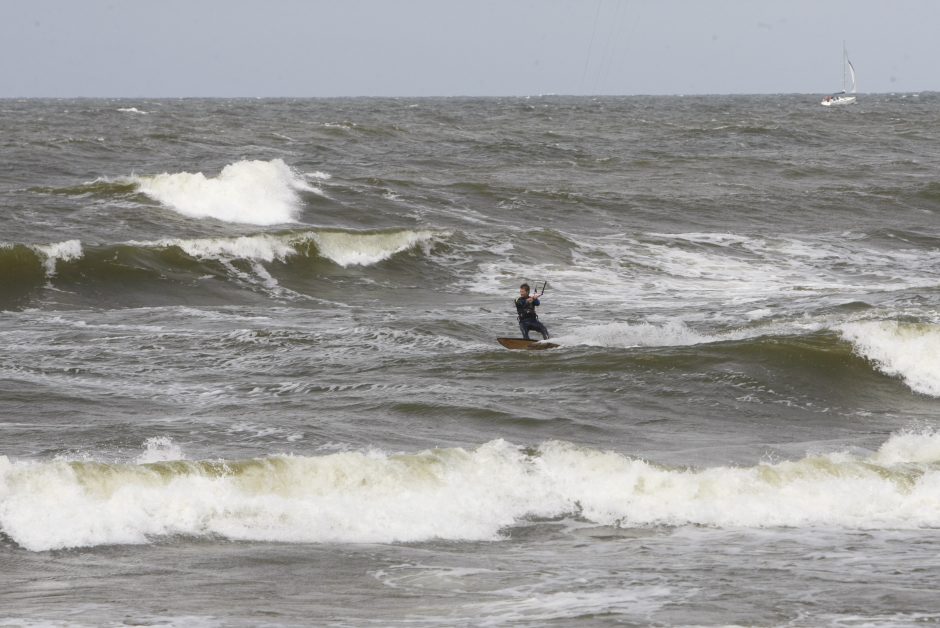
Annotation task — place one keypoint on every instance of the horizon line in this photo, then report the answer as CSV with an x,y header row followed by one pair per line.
x,y
461,96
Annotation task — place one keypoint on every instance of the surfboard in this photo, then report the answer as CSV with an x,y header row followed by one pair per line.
x,y
522,343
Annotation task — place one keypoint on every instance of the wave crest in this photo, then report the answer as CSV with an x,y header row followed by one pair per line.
x,y
365,249
345,248
454,494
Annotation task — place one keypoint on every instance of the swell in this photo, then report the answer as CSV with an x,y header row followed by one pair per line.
x,y
870,361
97,189
238,262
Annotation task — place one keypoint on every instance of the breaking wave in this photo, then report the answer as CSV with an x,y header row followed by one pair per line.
x,y
910,351
455,494
250,192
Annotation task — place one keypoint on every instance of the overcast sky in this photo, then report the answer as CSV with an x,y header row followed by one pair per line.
x,y
300,48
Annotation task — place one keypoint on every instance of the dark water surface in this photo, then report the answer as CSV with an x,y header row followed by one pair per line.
x,y
249,374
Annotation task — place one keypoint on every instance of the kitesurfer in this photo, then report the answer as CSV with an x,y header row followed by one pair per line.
x,y
525,308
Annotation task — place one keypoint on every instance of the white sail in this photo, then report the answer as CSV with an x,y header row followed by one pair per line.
x,y
851,74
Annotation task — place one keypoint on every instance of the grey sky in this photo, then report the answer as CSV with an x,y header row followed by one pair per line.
x,y
169,48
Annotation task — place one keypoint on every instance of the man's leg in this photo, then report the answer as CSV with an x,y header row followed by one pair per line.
x,y
539,327
523,325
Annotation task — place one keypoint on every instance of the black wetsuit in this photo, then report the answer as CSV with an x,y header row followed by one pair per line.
x,y
528,319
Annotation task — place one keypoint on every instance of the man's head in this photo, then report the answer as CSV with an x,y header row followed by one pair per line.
x,y
524,290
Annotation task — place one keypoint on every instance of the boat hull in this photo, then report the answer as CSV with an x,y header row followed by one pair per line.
x,y
841,100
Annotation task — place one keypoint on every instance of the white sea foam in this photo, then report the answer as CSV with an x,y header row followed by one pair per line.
x,y
719,271
132,110
671,333
252,192
455,494
523,606
910,351
919,447
69,250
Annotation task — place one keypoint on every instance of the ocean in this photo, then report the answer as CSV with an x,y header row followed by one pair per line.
x,y
249,374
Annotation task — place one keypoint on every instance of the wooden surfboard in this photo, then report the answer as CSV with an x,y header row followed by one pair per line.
x,y
522,343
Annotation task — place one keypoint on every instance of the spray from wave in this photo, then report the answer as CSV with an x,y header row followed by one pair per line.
x,y
250,192
453,494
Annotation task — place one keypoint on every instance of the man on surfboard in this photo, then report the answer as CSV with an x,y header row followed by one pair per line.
x,y
525,308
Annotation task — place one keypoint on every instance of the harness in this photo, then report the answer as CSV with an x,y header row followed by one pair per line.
x,y
526,310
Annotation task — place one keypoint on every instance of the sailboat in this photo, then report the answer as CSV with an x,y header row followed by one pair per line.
x,y
844,97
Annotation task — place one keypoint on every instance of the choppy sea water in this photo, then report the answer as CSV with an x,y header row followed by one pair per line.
x,y
248,371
